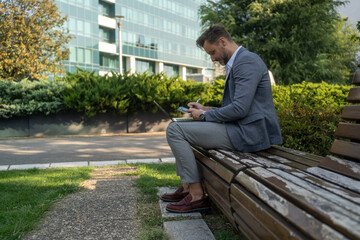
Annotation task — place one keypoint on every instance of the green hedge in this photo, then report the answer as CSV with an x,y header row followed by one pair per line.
x,y
30,97
308,113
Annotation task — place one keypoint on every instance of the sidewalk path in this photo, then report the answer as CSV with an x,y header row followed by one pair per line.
x,y
76,149
105,210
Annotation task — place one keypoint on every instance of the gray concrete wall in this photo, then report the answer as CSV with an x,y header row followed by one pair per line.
x,y
73,123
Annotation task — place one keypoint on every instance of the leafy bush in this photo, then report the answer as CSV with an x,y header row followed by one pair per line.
x,y
309,114
30,97
90,93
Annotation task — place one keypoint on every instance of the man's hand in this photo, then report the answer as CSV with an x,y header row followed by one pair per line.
x,y
195,113
196,105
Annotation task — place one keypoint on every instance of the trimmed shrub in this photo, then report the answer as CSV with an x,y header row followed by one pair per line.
x,y
30,97
309,114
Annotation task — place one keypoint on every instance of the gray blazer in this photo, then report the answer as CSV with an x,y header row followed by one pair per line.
x,y
247,105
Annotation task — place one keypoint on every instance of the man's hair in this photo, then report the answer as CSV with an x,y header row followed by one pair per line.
x,y
212,34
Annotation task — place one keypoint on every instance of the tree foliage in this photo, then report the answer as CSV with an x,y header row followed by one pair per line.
x,y
299,40
32,38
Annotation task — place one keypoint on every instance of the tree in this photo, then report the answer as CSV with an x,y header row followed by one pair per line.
x,y
299,40
32,39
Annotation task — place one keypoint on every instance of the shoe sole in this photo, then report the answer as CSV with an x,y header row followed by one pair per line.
x,y
166,200
202,210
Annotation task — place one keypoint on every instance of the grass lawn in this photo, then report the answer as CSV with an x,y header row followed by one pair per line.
x,y
26,194
163,175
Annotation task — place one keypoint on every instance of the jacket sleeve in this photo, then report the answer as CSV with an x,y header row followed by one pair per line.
x,y
246,74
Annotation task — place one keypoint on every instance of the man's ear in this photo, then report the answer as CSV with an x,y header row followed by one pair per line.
x,y
222,41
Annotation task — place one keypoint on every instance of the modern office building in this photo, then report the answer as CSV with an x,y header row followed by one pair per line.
x,y
136,36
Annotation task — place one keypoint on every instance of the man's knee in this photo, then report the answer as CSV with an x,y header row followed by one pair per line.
x,y
172,129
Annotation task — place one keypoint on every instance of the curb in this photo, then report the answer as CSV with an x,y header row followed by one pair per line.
x,y
85,164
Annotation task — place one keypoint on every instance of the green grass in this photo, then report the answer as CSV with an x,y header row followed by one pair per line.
x,y
164,175
26,194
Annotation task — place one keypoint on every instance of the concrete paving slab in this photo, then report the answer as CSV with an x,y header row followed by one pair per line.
x,y
4,167
69,164
106,163
168,160
29,166
188,230
147,160
166,214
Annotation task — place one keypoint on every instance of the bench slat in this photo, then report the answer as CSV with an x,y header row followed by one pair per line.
x,y
331,214
342,166
354,95
220,170
336,189
305,222
265,214
222,204
346,149
260,230
282,160
231,163
309,156
244,229
348,130
296,158
351,112
215,181
352,208
356,79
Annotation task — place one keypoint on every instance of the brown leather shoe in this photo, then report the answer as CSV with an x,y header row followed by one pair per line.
x,y
186,206
174,197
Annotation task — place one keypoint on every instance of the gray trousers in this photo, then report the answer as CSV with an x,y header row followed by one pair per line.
x,y
204,134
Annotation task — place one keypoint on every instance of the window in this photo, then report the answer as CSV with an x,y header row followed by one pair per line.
x,y
107,35
171,70
107,9
108,60
143,66
80,55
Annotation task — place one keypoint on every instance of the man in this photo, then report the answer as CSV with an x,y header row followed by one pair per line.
x,y
245,122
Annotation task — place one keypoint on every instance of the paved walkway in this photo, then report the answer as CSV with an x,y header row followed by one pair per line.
x,y
106,210
83,149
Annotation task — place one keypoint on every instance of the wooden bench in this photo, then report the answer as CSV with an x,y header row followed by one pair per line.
x,y
282,193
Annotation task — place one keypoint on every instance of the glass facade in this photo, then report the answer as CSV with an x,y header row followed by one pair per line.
x,y
156,36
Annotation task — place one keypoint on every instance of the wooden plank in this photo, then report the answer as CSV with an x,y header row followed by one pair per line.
x,y
348,130
354,95
350,209
220,202
296,158
356,79
282,160
351,112
220,170
244,229
265,214
346,149
244,158
309,156
231,163
329,213
215,181
329,186
305,222
261,230
342,166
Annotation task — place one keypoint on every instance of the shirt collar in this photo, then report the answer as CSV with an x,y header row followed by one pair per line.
x,y
229,64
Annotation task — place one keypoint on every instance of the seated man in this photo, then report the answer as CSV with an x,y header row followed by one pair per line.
x,y
245,122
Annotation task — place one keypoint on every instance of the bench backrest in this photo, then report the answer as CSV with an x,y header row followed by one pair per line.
x,y
350,130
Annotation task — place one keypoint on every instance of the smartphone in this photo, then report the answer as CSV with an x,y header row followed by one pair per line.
x,y
183,109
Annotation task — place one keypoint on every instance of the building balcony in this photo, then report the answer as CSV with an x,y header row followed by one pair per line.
x,y
107,22
107,47
109,1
